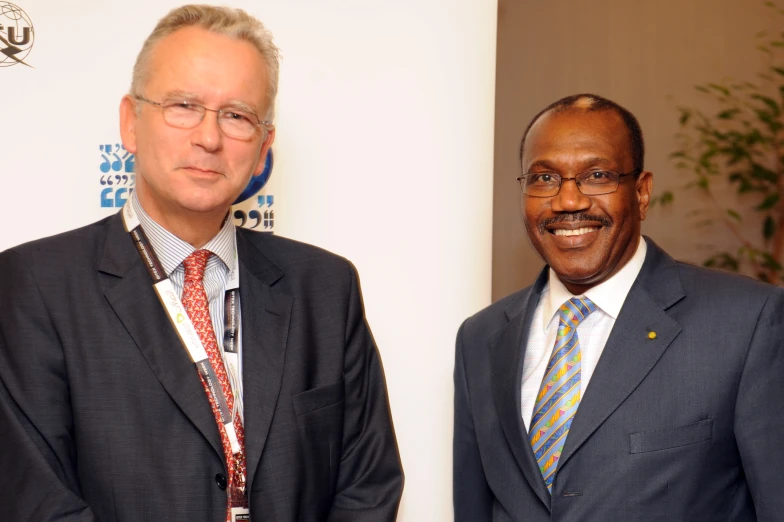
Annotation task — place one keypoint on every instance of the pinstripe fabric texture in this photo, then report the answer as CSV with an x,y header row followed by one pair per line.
x,y
172,251
559,394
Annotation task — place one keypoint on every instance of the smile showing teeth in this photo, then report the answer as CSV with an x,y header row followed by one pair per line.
x,y
575,232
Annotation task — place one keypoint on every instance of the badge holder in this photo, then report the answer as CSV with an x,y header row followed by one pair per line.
x,y
240,514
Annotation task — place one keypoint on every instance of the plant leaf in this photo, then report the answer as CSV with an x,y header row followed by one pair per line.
x,y
723,260
763,173
768,228
719,88
770,263
727,114
734,215
685,115
769,202
770,102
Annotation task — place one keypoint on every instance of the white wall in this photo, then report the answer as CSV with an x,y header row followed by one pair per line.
x,y
384,154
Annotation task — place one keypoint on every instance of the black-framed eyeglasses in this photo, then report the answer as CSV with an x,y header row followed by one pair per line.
x,y
590,182
233,122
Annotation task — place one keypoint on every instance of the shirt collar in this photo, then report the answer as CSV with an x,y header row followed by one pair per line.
x,y
172,251
608,295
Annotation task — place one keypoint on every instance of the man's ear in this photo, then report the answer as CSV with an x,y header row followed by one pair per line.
x,y
128,118
265,147
644,190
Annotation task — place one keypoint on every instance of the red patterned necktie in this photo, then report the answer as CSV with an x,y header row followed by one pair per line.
x,y
194,299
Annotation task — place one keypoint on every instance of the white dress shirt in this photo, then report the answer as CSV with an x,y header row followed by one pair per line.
x,y
593,331
172,251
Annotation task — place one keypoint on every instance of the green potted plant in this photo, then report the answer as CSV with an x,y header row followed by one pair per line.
x,y
740,143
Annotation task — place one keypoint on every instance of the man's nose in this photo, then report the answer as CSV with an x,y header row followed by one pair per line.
x,y
207,134
569,198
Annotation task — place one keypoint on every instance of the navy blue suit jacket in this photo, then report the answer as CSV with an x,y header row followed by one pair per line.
x,y
687,426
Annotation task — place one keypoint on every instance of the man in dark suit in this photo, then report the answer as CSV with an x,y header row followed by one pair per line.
x,y
622,385
246,383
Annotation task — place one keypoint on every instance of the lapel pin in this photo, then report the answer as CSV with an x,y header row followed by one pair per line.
x,y
651,335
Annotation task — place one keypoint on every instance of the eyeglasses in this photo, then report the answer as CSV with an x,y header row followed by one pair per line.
x,y
234,123
589,183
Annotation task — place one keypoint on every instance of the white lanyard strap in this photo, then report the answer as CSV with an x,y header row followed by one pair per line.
x,y
183,324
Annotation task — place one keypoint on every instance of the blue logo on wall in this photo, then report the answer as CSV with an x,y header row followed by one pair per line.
x,y
118,179
257,183
118,167
257,213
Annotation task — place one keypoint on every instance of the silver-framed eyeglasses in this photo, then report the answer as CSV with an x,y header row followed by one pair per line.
x,y
590,182
233,122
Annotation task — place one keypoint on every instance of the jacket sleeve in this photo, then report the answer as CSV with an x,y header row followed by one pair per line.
x,y
759,418
472,498
370,477
38,478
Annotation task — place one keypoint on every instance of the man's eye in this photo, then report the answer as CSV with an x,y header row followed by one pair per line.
x,y
236,116
544,177
599,175
182,105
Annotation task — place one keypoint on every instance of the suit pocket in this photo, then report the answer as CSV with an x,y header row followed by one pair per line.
x,y
317,398
319,419
656,440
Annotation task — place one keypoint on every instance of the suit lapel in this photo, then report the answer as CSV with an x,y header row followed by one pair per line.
x,y
131,296
630,353
507,355
266,314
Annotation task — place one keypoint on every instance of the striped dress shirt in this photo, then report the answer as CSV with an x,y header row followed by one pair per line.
x,y
172,251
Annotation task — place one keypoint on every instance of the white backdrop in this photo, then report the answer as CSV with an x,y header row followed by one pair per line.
x,y
383,154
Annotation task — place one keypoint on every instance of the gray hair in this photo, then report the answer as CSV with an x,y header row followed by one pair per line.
x,y
227,21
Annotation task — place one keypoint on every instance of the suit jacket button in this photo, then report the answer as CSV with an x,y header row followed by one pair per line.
x,y
220,480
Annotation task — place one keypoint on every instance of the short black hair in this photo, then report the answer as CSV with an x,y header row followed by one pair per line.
x,y
597,103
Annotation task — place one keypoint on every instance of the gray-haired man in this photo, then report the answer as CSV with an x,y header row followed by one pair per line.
x,y
161,364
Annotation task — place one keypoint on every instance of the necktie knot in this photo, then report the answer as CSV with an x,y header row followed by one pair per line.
x,y
195,264
573,311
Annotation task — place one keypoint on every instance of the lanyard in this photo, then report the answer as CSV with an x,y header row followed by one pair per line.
x,y
184,327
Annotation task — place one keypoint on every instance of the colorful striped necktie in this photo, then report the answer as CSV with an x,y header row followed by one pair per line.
x,y
559,394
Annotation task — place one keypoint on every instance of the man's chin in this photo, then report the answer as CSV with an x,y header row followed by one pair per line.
x,y
576,275
205,206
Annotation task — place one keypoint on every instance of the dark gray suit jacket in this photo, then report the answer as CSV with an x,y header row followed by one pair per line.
x,y
103,416
685,427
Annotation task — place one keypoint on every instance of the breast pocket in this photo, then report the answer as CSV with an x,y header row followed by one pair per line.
x,y
660,462
319,418
668,438
316,398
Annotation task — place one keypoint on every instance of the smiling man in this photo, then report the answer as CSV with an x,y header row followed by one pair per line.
x,y
622,385
162,364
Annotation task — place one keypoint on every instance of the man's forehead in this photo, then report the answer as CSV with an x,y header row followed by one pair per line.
x,y
194,60
576,126
579,116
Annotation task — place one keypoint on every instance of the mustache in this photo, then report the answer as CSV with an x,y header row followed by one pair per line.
x,y
576,217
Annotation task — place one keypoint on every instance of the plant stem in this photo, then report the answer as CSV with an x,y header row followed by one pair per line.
x,y
733,228
778,236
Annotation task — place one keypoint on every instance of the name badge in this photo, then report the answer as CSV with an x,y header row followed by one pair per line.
x,y
240,514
